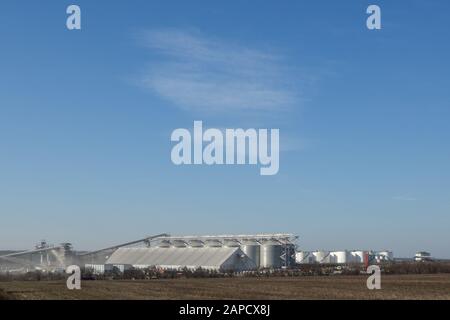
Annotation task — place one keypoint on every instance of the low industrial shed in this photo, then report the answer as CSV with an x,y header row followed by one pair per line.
x,y
173,258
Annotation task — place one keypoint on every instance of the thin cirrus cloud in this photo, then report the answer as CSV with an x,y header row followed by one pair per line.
x,y
201,74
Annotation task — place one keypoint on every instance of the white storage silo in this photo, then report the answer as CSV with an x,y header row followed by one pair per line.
x,y
340,257
252,249
321,256
271,252
358,256
304,257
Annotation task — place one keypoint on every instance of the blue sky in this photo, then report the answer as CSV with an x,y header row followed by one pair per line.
x,y
86,118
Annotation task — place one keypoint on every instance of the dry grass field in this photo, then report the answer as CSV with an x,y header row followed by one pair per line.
x,y
326,287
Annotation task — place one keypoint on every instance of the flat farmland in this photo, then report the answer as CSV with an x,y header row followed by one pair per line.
x,y
435,286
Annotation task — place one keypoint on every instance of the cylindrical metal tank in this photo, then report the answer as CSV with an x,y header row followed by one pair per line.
x,y
304,257
322,256
252,250
340,257
271,252
358,256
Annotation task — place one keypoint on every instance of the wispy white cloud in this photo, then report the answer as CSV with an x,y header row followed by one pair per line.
x,y
404,198
198,73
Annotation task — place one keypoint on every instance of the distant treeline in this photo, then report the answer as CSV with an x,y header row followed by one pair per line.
x,y
298,271
417,268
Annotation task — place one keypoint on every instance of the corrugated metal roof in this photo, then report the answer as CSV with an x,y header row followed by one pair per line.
x,y
206,257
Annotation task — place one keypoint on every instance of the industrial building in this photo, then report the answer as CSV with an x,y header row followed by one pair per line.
x,y
221,253
43,257
422,256
209,258
266,251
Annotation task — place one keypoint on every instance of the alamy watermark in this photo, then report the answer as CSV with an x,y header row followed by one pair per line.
x,y
374,280
230,146
374,20
73,21
74,280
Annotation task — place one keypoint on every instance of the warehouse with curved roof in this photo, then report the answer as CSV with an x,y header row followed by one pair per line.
x,y
209,258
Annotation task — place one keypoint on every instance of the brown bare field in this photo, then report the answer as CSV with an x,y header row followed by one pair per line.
x,y
313,287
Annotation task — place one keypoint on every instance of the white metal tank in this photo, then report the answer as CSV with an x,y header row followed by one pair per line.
x,y
304,257
358,256
322,256
340,257
271,252
252,250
